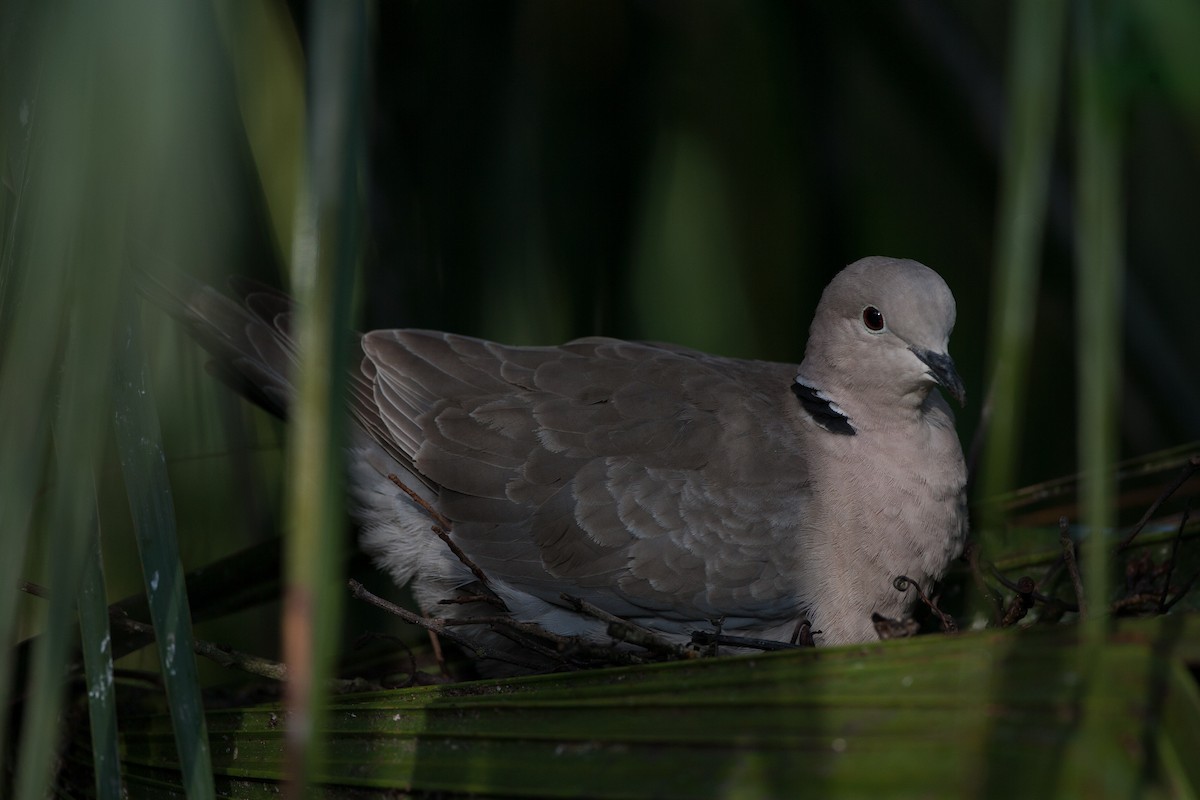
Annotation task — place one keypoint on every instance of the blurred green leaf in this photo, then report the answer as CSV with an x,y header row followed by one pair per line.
x,y
268,67
30,342
326,251
1098,280
143,464
974,715
1034,80
97,645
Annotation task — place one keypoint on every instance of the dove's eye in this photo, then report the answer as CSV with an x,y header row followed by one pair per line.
x,y
873,319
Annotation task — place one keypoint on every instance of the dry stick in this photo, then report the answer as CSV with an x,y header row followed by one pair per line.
x,y
1067,557
438,626
1036,595
1022,601
435,644
605,653
469,599
433,513
528,632
1068,548
1145,601
224,656
1162,600
1187,587
981,583
628,631
442,529
526,628
902,582
1188,470
707,638
522,640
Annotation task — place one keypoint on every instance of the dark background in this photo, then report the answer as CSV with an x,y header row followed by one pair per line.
x,y
696,172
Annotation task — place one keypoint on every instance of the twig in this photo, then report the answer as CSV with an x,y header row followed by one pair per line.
x,y
442,529
708,638
903,582
1162,600
981,583
630,632
523,632
435,644
526,628
468,599
1146,601
230,659
1022,601
433,513
1068,548
718,627
224,656
439,626
1188,470
1187,587
1038,596
529,641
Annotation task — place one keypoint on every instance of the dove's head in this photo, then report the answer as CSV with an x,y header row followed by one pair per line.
x,y
880,334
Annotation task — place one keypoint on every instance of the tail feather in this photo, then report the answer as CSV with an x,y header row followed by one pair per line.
x,y
254,352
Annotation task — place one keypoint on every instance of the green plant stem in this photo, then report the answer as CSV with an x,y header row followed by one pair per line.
x,y
1098,280
325,256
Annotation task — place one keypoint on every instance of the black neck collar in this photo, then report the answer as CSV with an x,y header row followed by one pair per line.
x,y
824,411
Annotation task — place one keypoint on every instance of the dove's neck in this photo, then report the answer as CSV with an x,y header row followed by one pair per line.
x,y
822,408
845,409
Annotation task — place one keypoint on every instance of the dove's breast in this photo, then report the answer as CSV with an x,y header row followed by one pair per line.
x,y
900,511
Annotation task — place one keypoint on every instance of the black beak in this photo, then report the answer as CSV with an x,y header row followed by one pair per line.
x,y
941,367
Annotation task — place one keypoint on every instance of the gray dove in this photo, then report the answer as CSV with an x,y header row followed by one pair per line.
x,y
676,489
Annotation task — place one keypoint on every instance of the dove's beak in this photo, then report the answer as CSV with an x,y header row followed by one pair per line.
x,y
941,369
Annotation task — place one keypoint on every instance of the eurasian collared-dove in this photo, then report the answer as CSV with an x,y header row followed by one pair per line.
x,y
664,485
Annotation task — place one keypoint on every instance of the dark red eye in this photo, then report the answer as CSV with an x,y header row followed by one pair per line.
x,y
873,318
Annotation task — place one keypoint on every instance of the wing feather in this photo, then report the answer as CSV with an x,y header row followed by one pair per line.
x,y
590,465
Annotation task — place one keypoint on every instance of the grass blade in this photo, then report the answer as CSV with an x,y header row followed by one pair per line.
x,y
1099,262
1035,65
1098,286
143,464
26,382
96,642
324,260
79,428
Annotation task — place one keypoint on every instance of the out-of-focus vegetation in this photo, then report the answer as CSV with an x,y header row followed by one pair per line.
x,y
684,171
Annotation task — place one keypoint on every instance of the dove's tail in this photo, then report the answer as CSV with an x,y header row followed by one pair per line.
x,y
250,341
254,351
